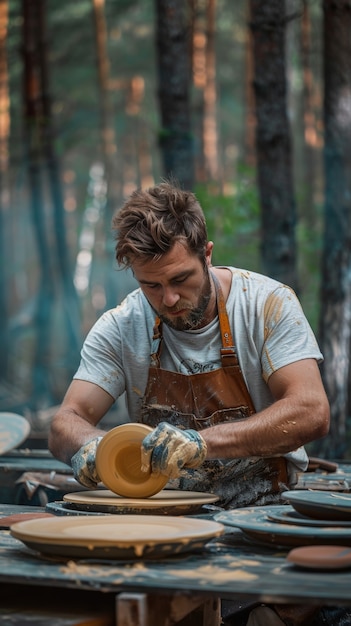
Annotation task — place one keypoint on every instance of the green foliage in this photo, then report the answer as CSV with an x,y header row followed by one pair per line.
x,y
233,220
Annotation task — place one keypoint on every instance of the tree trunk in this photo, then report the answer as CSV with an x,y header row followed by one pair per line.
x,y
198,62
210,98
335,322
250,118
273,145
309,119
4,187
173,55
108,146
108,138
65,270
33,119
54,269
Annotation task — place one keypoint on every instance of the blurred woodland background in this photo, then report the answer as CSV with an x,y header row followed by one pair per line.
x,y
248,103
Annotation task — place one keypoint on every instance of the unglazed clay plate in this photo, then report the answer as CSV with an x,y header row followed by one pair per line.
x,y
167,501
14,429
320,504
118,463
257,524
321,557
116,536
288,515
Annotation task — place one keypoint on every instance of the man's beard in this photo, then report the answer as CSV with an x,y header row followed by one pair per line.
x,y
195,315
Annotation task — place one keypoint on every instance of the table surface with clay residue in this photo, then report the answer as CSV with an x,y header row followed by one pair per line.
x,y
229,566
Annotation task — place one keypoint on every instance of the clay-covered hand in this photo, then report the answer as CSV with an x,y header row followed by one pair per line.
x,y
83,464
167,450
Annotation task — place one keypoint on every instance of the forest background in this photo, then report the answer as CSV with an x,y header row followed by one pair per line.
x,y
98,97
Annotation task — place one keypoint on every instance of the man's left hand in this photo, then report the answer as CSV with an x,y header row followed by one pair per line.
x,y
167,450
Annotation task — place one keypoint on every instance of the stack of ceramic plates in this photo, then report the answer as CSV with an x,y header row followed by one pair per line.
x,y
320,505
130,492
311,518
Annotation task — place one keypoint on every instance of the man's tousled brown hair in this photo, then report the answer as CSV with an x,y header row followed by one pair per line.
x,y
151,221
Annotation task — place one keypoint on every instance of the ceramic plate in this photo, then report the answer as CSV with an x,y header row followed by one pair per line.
x,y
320,504
321,557
288,515
167,501
116,536
255,522
118,461
14,429
7,521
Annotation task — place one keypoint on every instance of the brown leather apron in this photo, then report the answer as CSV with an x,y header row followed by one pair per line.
x,y
202,400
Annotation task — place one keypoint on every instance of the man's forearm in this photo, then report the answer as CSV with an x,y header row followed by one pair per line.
x,y
274,431
68,432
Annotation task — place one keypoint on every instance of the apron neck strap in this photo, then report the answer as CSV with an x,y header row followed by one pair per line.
x,y
156,343
228,352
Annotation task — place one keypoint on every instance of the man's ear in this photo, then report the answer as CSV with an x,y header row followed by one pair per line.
x,y
208,253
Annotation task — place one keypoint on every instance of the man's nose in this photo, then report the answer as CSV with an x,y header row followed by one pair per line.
x,y
170,296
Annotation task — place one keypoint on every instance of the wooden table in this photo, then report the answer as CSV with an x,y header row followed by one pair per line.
x,y
161,592
47,473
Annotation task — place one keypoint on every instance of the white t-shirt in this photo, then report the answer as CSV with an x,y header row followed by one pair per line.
x,y
269,331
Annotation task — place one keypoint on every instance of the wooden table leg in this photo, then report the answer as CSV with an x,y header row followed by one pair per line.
x,y
212,612
141,609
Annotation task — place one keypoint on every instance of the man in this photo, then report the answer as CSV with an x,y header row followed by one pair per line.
x,y
220,361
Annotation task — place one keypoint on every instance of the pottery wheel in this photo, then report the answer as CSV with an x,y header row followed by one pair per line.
x,y
61,508
166,502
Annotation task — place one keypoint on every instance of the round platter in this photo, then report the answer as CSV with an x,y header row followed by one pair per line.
x,y
14,429
116,537
288,515
321,557
118,463
323,505
166,502
256,524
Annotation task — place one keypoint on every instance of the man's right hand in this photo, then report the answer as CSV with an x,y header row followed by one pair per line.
x,y
83,464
